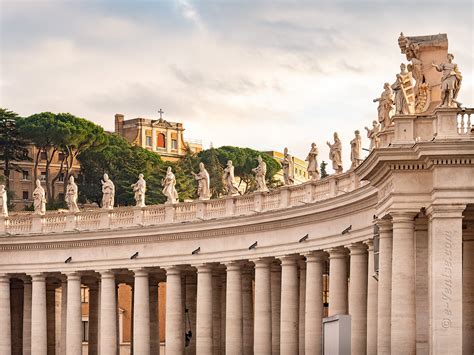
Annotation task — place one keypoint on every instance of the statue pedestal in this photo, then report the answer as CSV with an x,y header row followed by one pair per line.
x,y
404,129
386,136
446,122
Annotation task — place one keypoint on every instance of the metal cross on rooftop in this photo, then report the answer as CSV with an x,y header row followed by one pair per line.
x,y
161,112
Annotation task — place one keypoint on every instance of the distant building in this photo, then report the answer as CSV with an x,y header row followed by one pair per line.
x,y
300,167
160,136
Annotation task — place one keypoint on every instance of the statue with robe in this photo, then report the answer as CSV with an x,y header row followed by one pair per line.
x,y
72,193
385,106
204,191
356,150
39,199
335,154
139,190
450,82
169,186
108,193
3,201
401,104
260,172
229,179
372,135
312,159
288,168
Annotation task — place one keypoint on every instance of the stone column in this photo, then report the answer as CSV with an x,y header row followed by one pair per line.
x,y
204,311
247,311
74,315
39,336
289,306
154,321
421,286
51,316
174,312
403,284
302,306
445,284
5,316
468,296
263,308
337,281
233,324
27,317
223,298
314,302
141,313
216,311
358,297
276,307
384,303
108,314
372,298
93,344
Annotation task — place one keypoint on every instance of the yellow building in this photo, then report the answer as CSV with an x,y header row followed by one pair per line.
x,y
299,167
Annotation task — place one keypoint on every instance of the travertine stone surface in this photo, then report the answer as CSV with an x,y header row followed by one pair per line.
x,y
5,316
289,306
141,313
234,321
263,307
174,312
74,316
338,302
384,305
372,301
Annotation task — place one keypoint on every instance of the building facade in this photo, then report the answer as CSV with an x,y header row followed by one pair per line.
x,y
300,173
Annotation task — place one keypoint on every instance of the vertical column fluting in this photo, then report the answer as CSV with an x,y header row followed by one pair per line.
x,y
276,307
358,297
263,308
314,302
247,311
74,315
108,314
403,337
384,303
93,344
27,316
204,311
141,313
39,336
289,306
337,281
372,299
174,312
5,316
302,305
154,321
234,318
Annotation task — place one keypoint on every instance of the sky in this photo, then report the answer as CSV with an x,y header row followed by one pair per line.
x,y
249,73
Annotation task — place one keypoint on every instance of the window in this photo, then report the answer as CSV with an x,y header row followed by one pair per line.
x,y
148,141
84,294
25,175
61,196
25,195
61,177
174,144
85,331
161,141
43,176
43,156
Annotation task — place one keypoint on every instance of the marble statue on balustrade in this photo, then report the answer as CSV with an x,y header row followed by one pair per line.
x,y
312,159
229,179
260,172
108,193
3,201
372,135
399,99
169,186
72,193
385,106
39,199
356,150
139,190
335,154
288,168
450,82
204,191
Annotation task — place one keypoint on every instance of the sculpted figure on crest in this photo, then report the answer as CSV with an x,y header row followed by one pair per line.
x,y
108,193
385,106
39,199
260,172
450,82
72,193
288,168
139,189
356,150
229,180
169,186
312,159
3,201
202,178
335,154
372,135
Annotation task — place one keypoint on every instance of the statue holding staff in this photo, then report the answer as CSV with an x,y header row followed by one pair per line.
x,y
260,172
335,154
385,106
229,179
202,178
450,82
169,189
288,168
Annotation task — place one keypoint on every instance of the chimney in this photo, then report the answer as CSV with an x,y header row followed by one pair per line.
x,y
119,118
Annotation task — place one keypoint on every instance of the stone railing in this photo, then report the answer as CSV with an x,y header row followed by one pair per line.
x,y
127,217
464,121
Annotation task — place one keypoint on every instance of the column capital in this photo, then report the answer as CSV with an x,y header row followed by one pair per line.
x,y
172,270
315,256
4,278
370,244
38,277
140,272
445,211
291,259
403,216
106,274
384,225
337,252
204,268
233,265
262,262
357,248
73,276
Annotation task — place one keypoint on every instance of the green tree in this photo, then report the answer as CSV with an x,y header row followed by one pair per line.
x,y
186,185
210,159
323,169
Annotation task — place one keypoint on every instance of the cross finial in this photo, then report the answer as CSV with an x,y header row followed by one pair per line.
x,y
161,112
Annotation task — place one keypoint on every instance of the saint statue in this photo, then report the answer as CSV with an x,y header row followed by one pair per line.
x,y
401,105
356,150
288,168
385,106
450,82
39,199
229,180
108,193
3,201
312,159
139,189
71,195
372,135
260,172
335,154
202,178
169,189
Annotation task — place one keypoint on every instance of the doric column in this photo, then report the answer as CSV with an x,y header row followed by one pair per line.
x,y
93,344
154,321
263,308
5,316
216,311
445,284
233,324
247,311
74,315
276,307
223,302
108,314
403,284
27,316
302,306
174,312
372,299
384,304
337,281
421,285
39,336
468,296
289,306
314,302
204,310
141,313
358,297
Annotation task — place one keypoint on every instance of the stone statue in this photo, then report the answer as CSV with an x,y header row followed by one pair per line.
x,y
356,150
108,193
260,172
229,181
288,168
401,104
372,135
202,178
3,201
450,82
72,193
312,159
385,106
39,199
335,154
139,188
169,189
